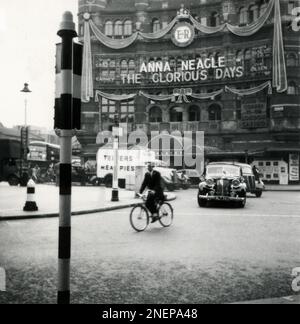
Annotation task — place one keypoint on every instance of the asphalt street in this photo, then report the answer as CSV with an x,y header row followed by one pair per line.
x,y
211,255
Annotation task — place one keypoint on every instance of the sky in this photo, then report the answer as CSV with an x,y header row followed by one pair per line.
x,y
28,31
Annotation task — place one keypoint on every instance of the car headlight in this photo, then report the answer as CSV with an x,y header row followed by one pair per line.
x,y
236,183
210,182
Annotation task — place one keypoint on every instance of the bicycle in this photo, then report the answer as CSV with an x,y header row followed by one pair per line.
x,y
140,215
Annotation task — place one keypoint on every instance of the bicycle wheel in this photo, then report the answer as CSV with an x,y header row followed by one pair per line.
x,y
166,215
139,218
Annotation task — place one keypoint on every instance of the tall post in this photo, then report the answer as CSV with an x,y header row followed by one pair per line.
x,y
67,33
25,112
115,190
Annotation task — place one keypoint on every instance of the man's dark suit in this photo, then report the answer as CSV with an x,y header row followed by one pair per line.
x,y
153,182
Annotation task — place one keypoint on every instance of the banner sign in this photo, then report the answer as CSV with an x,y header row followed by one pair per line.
x,y
294,167
24,142
254,115
188,71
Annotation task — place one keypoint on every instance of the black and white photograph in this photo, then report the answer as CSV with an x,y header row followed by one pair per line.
x,y
150,154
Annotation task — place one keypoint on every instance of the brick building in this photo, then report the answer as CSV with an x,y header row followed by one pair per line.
x,y
262,128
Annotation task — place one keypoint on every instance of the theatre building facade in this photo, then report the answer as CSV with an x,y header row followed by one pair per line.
x,y
228,68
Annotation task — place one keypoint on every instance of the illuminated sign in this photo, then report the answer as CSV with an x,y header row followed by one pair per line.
x,y
186,71
183,34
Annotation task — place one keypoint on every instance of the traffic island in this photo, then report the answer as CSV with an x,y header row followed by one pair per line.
x,y
85,200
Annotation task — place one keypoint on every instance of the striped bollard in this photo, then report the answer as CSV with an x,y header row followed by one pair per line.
x,y
67,33
30,204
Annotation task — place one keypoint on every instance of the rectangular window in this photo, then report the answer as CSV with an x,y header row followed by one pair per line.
x,y
291,6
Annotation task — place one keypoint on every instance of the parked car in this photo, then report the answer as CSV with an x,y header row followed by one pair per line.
x,y
254,184
222,182
193,175
183,179
169,178
79,175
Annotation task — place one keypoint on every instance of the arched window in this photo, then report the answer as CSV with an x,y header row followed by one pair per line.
x,y
109,28
155,115
292,89
131,67
214,19
263,8
214,112
253,14
156,25
194,114
128,28
243,16
124,67
118,28
292,59
176,115
291,6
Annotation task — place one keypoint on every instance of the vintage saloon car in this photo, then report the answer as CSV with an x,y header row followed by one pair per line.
x,y
222,182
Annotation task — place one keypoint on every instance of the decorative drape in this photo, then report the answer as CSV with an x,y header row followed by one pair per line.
x,y
123,43
251,91
279,64
183,93
204,96
110,42
156,97
161,33
114,97
87,88
254,27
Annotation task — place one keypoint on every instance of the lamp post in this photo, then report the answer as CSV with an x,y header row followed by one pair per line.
x,y
26,91
117,132
24,141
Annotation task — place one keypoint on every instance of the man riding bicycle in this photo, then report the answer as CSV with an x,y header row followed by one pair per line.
x,y
152,181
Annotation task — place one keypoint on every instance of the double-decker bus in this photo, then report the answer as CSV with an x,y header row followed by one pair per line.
x,y
43,154
10,161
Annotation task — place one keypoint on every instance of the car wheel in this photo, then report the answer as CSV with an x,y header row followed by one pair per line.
x,y
202,203
242,204
258,194
13,181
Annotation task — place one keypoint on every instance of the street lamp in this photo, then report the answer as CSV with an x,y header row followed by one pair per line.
x,y
117,132
24,141
26,91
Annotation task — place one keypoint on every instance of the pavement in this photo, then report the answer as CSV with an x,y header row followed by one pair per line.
x,y
215,255
85,200
282,188
290,300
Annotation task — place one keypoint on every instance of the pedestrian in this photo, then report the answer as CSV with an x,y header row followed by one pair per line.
x,y
35,173
56,167
152,181
256,173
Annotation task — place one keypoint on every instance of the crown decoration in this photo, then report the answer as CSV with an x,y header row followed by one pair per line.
x,y
183,13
